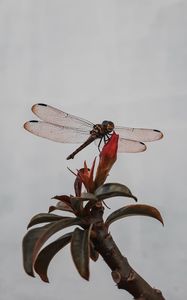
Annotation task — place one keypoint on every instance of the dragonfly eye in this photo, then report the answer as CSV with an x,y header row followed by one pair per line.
x,y
110,126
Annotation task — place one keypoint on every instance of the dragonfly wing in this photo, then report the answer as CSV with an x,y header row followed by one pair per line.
x,y
139,134
56,133
53,115
130,146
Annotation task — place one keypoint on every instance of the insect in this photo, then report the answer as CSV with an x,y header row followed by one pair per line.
x,y
62,127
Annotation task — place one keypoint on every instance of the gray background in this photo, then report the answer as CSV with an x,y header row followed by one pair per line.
x,y
119,60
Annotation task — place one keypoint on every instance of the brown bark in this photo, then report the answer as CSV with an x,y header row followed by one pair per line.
x,y
122,273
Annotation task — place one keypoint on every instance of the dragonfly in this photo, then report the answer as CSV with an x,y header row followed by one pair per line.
x,y
59,126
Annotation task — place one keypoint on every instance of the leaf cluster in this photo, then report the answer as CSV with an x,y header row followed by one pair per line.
x,y
88,211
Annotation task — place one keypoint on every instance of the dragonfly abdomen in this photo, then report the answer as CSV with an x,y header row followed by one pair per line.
x,y
91,138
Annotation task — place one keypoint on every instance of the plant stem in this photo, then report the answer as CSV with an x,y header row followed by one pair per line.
x,y
123,274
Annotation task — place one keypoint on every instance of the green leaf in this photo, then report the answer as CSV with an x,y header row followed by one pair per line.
x,y
44,218
88,196
134,210
77,205
45,256
109,190
35,239
80,250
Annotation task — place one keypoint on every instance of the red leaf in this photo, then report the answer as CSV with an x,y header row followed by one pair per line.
x,y
134,210
63,198
86,176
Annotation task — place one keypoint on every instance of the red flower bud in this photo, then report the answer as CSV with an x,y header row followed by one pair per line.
x,y
107,157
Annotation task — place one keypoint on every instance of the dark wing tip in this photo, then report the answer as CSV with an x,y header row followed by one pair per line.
x,y
26,125
42,104
161,134
145,147
34,107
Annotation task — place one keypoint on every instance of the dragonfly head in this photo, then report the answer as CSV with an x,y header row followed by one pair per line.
x,y
108,126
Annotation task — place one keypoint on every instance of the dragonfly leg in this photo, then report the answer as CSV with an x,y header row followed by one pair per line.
x,y
100,144
107,137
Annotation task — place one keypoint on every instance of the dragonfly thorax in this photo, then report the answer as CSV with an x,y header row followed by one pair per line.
x,y
102,129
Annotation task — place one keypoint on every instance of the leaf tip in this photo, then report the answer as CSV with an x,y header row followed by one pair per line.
x,y
85,275
51,208
30,273
161,220
29,225
44,278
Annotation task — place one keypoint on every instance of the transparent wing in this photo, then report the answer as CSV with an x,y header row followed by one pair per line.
x,y
55,116
126,146
139,134
130,146
56,133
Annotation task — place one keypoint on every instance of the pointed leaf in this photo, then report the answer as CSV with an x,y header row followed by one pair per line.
x,y
43,218
134,210
63,198
61,206
78,183
80,250
94,255
86,176
109,190
45,256
35,238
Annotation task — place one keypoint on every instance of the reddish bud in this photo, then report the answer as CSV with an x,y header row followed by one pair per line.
x,y
107,157
85,176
